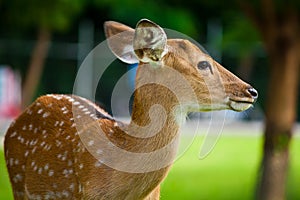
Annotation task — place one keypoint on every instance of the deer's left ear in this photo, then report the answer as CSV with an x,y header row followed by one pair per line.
x,y
150,41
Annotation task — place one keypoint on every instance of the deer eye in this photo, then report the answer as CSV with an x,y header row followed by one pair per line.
x,y
203,65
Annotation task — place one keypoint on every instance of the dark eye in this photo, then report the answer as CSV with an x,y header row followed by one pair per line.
x,y
202,65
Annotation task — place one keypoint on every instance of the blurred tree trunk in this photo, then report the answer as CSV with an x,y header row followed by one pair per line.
x,y
281,35
280,117
36,65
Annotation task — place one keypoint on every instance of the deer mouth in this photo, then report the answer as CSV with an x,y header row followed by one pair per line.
x,y
240,104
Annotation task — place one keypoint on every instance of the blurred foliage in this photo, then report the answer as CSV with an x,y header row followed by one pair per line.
x,y
131,11
48,14
239,38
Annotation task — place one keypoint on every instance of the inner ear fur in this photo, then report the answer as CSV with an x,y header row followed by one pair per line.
x,y
149,41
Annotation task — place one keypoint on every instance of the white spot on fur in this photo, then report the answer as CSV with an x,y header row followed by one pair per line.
x,y
72,187
13,134
76,103
35,130
99,151
17,178
46,114
65,193
98,164
65,172
91,143
29,112
58,143
33,150
47,147
21,139
50,173
43,143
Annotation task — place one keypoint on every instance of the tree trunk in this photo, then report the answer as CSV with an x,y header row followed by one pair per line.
x,y
283,48
280,33
36,66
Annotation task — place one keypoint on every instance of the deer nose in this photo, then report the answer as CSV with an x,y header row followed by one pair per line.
x,y
253,92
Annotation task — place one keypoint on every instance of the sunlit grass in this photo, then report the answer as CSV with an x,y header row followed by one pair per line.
x,y
5,189
229,172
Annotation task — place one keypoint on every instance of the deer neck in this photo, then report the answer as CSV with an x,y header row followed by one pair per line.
x,y
154,117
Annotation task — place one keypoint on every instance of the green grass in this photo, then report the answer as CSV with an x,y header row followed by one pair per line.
x,y
229,172
5,189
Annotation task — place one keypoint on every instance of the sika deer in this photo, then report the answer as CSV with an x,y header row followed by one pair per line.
x,y
63,147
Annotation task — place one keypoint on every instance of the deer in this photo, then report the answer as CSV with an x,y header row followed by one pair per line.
x,y
53,151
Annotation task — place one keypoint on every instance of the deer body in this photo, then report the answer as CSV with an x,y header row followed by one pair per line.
x,y
57,161
46,153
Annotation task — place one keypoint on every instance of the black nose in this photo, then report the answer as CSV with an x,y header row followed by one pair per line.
x,y
253,92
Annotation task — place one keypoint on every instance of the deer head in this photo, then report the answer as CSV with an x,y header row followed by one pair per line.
x,y
214,86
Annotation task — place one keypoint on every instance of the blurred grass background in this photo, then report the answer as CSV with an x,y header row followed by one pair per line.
x,y
229,172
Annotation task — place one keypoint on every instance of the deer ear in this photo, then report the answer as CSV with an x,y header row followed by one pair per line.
x,y
149,41
120,40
